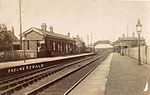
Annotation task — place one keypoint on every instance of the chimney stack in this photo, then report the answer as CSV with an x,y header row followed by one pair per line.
x,y
12,29
44,26
68,34
51,29
123,35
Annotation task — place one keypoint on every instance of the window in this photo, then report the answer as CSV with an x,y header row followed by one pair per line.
x,y
28,45
54,46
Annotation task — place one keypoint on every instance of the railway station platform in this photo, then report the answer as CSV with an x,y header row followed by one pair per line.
x,y
38,60
117,75
18,67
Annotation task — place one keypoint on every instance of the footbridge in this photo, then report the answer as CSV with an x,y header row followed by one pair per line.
x,y
103,42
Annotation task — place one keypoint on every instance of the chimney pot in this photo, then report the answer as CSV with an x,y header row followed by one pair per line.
x,y
51,29
44,26
68,34
12,29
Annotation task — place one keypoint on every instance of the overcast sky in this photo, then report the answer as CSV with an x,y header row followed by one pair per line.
x,y
105,19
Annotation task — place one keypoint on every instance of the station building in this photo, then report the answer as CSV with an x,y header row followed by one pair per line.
x,y
80,45
128,42
131,41
47,43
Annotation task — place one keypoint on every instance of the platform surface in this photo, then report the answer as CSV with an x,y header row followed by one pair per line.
x,y
38,60
117,75
94,84
127,77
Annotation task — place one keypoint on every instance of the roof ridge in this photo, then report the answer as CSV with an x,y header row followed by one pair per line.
x,y
41,31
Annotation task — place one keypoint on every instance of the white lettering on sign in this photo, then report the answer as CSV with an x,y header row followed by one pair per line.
x,y
36,66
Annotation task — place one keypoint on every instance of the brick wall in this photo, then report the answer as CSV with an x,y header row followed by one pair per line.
x,y
34,36
32,40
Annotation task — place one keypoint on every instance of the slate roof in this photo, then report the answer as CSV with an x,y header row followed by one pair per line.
x,y
130,38
79,39
47,33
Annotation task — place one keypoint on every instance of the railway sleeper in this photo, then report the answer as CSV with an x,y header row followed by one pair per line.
x,y
8,93
4,87
18,87
25,85
8,86
20,82
35,80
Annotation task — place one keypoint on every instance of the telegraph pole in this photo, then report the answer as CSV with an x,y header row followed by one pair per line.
x,y
87,40
91,39
20,23
127,31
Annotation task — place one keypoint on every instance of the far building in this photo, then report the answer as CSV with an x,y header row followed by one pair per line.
x,y
131,41
128,42
80,44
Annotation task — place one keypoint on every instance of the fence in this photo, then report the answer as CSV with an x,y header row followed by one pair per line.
x,y
133,53
17,55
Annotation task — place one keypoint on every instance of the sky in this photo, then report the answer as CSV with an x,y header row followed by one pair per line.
x,y
104,19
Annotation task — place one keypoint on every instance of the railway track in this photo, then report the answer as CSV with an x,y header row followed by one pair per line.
x,y
69,82
47,80
9,84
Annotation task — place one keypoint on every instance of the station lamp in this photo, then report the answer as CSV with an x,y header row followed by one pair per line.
x,y
139,29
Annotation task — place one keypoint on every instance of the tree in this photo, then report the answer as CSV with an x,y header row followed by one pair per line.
x,y
5,39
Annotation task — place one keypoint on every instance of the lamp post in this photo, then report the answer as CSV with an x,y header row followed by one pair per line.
x,y
139,29
24,56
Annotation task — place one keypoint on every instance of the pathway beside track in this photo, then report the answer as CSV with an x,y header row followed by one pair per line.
x,y
126,77
38,60
94,83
